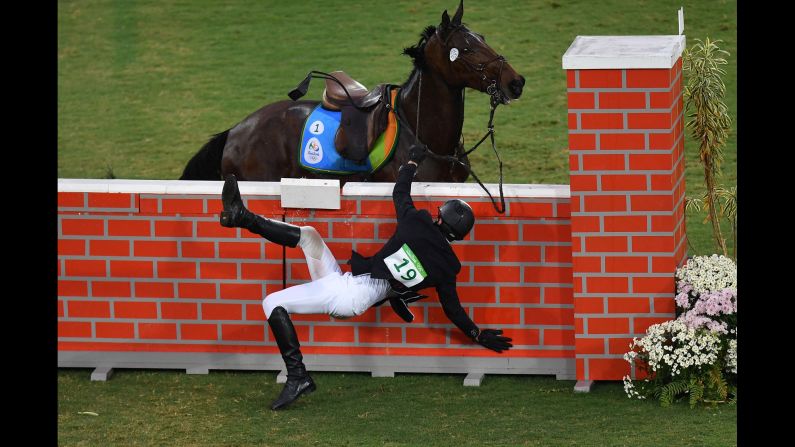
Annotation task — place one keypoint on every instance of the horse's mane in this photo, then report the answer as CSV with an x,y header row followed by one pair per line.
x,y
417,52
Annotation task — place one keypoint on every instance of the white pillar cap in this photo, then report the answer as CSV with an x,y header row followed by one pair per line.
x,y
623,52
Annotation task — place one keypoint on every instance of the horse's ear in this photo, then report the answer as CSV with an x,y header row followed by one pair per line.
x,y
458,14
445,22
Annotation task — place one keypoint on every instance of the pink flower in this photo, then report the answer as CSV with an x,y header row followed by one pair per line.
x,y
682,300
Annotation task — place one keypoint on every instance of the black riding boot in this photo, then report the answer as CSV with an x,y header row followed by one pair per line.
x,y
298,380
235,214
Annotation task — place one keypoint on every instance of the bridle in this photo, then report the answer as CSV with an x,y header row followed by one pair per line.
x,y
496,98
491,89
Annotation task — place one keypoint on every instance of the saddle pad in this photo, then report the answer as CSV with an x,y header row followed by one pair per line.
x,y
319,154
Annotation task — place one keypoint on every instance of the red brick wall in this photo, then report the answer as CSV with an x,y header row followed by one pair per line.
x,y
627,208
157,273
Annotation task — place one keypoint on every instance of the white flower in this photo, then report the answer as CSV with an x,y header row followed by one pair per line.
x,y
674,345
731,356
630,390
708,274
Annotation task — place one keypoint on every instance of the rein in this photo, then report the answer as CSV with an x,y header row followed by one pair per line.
x,y
460,155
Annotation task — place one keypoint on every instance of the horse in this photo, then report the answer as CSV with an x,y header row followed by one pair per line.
x,y
447,59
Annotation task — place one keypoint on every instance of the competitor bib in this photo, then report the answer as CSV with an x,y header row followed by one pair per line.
x,y
405,267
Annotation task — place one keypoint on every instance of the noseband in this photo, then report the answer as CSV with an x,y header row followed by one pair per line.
x,y
492,89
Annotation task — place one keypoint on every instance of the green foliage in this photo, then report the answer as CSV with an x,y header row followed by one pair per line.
x,y
732,391
699,388
696,390
666,393
717,383
727,209
709,124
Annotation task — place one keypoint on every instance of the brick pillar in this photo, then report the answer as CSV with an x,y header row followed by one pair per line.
x,y
627,192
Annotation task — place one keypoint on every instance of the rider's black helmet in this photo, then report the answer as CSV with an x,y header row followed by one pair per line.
x,y
457,219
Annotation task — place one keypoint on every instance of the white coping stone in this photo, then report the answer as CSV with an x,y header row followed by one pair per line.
x,y
426,189
351,189
310,193
603,52
198,187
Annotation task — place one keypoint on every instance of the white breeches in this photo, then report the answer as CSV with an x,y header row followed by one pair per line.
x,y
331,291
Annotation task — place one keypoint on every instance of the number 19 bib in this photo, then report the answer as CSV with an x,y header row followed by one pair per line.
x,y
405,267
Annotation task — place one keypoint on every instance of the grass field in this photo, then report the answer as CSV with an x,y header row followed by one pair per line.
x,y
231,408
141,87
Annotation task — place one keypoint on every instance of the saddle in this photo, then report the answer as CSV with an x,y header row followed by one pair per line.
x,y
362,121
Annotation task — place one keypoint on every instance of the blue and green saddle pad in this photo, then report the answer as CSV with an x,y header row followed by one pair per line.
x,y
319,154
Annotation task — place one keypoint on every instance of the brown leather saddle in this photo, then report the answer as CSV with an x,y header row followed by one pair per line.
x,y
362,120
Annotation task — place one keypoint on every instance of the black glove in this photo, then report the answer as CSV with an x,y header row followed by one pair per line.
x,y
400,301
493,339
417,152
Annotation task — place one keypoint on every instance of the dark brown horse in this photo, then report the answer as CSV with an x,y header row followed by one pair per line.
x,y
447,59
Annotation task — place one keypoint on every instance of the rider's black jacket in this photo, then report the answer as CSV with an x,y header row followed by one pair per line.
x,y
417,229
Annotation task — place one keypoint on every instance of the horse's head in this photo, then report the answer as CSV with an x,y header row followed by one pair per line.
x,y
463,59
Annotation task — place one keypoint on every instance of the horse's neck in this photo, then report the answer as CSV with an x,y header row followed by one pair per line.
x,y
441,110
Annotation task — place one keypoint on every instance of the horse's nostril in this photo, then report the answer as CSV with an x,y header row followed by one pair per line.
x,y
516,86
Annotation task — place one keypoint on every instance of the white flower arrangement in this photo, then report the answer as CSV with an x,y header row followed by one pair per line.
x,y
689,347
705,274
676,352
707,293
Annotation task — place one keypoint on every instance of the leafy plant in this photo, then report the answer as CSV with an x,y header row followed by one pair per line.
x,y
709,125
727,209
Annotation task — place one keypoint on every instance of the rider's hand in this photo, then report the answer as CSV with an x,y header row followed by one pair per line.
x,y
417,152
493,339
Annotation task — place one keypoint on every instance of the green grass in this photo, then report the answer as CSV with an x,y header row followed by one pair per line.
x,y
142,85
139,407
